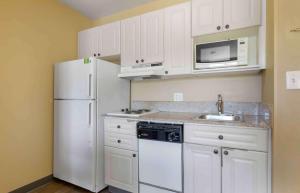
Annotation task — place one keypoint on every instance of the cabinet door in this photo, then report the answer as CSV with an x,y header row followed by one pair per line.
x,y
109,44
244,171
87,43
121,169
202,169
152,37
178,40
130,41
207,16
241,13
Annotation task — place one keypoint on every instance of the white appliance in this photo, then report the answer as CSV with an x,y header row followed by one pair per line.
x,y
84,90
142,71
160,157
222,54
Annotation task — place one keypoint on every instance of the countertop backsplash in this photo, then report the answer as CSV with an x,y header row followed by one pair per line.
x,y
240,108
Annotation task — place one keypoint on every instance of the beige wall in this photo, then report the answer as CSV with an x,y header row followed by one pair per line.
x,y
268,74
34,34
233,88
287,102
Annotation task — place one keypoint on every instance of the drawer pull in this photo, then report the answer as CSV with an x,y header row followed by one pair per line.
x,y
221,137
133,155
119,141
216,151
226,153
118,126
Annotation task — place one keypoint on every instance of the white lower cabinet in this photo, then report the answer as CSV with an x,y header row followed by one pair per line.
x,y
121,156
121,169
244,171
215,170
202,169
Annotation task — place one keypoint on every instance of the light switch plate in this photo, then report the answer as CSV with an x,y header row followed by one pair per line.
x,y
293,80
178,97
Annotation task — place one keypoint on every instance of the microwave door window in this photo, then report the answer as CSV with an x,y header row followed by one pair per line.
x,y
216,54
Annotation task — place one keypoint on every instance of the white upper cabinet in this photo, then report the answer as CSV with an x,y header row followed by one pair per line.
x,y
244,171
152,37
211,16
178,40
109,43
84,41
207,16
202,169
99,41
241,13
130,41
88,42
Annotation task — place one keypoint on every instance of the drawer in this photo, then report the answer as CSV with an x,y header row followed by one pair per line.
x,y
231,137
122,141
119,125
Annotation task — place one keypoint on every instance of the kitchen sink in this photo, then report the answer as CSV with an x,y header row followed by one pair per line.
x,y
221,117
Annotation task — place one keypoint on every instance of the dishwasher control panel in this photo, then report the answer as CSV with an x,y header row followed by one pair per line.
x,y
160,131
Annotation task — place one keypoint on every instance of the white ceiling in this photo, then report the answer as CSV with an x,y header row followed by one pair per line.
x,y
95,9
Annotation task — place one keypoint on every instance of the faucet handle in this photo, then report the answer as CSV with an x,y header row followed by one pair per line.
x,y
219,97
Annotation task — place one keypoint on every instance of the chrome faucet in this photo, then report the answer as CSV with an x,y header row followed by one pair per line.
x,y
220,105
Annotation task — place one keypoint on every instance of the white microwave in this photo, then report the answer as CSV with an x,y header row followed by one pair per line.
x,y
222,54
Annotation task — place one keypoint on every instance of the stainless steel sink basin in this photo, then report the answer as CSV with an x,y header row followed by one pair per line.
x,y
222,117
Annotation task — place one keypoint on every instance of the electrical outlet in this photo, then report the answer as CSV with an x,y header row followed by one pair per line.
x,y
293,80
178,97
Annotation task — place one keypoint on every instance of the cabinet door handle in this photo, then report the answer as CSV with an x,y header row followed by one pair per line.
x,y
95,55
219,28
118,126
166,72
227,26
134,155
99,54
119,141
142,60
137,61
226,152
216,151
221,137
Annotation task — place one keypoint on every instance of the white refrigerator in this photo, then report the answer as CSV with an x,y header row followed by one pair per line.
x,y
84,90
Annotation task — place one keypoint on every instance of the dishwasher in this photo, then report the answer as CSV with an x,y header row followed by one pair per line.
x,y
160,157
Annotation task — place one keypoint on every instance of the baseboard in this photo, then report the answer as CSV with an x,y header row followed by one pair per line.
x,y
33,185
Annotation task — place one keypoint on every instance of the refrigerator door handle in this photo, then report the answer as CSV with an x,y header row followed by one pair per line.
x,y
90,85
90,114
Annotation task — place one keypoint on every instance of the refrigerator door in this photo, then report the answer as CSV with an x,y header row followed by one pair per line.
x,y
75,79
75,142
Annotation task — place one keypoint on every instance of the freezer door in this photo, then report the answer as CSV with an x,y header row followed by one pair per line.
x,y
75,79
75,142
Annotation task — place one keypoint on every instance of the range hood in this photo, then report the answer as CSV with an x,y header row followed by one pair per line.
x,y
151,71
141,75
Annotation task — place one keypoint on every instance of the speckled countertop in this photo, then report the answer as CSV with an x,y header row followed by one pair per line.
x,y
249,120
